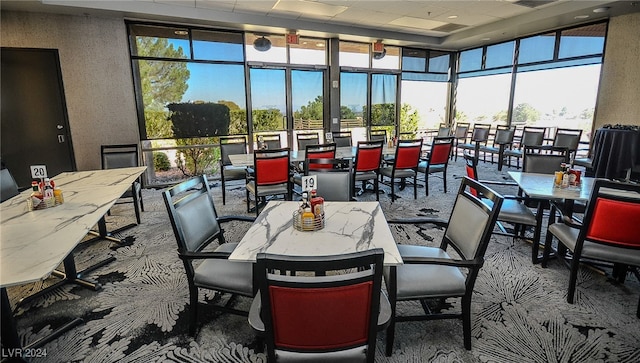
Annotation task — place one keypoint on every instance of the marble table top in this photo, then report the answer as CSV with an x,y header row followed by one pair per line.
x,y
541,186
34,243
349,227
343,152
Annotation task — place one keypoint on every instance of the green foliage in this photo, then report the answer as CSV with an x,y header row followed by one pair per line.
x,y
199,119
312,111
161,161
346,113
158,124
268,120
500,116
461,116
409,120
383,114
196,160
525,113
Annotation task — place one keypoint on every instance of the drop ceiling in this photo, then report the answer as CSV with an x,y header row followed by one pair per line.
x,y
447,25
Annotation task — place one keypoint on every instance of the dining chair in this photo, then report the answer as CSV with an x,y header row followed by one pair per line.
x,y
366,166
434,273
9,188
309,138
436,161
331,312
531,136
342,138
460,136
271,176
502,139
608,232
407,158
516,210
269,141
196,225
536,161
377,135
231,145
479,138
568,139
125,156
333,178
317,151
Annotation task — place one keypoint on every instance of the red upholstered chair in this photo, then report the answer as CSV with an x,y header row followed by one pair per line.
x,y
367,164
437,161
332,315
405,166
609,232
271,176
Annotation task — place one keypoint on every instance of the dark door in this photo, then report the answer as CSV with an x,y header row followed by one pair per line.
x,y
35,126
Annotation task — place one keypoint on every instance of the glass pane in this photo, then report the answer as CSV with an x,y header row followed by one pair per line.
x,y
268,99
582,41
217,46
308,51
483,99
275,53
353,102
161,42
306,98
424,105
414,60
500,55
537,49
354,54
439,62
470,60
390,60
562,97
383,99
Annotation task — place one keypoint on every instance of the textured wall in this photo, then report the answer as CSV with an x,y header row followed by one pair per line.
x,y
619,93
95,71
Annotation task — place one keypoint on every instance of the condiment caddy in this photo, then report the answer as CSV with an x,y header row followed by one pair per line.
x,y
567,177
310,214
44,195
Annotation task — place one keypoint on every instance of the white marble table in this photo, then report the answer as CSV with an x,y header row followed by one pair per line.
x,y
540,186
343,152
349,227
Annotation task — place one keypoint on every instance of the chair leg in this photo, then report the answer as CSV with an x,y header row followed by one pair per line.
x,y
391,331
248,202
193,309
426,182
466,321
393,192
224,195
376,189
415,186
638,312
136,207
573,277
444,179
536,243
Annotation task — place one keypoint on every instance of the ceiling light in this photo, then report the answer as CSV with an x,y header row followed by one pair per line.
x,y
601,10
452,17
581,16
184,32
485,39
320,44
262,44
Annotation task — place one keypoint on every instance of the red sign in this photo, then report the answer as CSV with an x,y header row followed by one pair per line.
x,y
378,47
293,38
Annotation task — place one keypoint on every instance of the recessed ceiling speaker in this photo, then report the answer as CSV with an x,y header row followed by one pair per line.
x,y
262,44
378,55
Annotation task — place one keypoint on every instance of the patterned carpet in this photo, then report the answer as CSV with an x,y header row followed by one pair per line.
x,y
519,313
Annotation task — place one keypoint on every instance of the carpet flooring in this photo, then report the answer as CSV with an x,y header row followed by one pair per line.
x,y
519,310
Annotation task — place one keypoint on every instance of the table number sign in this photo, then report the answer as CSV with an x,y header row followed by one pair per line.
x,y
309,182
38,171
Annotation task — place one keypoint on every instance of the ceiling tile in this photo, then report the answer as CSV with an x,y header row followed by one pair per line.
x,y
417,23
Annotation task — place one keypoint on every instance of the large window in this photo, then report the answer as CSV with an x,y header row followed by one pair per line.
x,y
483,99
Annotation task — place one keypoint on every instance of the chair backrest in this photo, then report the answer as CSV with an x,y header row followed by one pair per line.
x,y
408,154
9,187
444,130
480,132
119,156
320,318
462,128
532,136
270,141
440,151
377,135
334,178
320,151
504,135
567,138
472,220
192,214
368,155
535,161
271,166
232,145
311,138
342,138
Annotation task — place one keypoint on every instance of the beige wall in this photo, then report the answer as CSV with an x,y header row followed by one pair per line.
x,y
619,93
95,71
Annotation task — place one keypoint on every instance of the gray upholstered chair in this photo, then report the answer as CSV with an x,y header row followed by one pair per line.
x,y
537,161
196,226
334,183
125,156
308,138
9,186
331,312
531,136
479,138
342,138
231,145
501,141
608,232
460,136
432,273
269,141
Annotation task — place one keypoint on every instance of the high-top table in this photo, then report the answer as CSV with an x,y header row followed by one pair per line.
x,y
615,152
343,152
349,227
34,243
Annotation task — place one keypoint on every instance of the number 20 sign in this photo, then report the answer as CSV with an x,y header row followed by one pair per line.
x,y
38,171
309,182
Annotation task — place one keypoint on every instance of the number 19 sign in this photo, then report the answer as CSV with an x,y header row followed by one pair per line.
x,y
309,182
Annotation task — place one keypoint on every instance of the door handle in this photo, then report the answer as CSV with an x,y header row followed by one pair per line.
x,y
60,139
60,127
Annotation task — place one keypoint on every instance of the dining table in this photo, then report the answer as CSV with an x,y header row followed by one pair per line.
x,y
34,243
348,227
342,152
